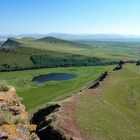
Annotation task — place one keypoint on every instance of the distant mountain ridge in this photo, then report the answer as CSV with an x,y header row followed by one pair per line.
x,y
16,42
78,36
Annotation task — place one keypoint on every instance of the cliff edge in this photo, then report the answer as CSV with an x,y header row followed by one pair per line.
x,y
14,121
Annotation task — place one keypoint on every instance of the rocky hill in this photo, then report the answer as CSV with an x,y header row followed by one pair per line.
x,y
14,121
11,43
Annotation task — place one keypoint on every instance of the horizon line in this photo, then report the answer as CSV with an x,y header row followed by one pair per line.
x,y
70,34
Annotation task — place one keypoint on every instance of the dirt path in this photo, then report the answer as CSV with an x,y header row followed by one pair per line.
x,y
67,111
66,117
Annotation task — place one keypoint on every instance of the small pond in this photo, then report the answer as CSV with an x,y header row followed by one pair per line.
x,y
53,77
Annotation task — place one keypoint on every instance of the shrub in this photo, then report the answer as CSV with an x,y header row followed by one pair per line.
x,y
6,118
19,121
4,87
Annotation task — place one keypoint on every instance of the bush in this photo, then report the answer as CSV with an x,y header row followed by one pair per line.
x,y
19,121
6,118
4,87
138,63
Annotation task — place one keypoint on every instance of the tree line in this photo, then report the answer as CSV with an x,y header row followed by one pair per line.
x,y
47,61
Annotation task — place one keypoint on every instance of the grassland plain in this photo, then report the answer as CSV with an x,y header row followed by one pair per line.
x,y
112,112
36,95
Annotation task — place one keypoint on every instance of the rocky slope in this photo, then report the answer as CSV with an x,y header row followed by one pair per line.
x,y
14,122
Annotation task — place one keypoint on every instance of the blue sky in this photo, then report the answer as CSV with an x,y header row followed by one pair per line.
x,y
70,16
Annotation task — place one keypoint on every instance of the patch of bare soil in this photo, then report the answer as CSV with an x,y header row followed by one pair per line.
x,y
66,118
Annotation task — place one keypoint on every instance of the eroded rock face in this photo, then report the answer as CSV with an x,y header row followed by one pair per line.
x,y
98,80
119,66
45,119
14,122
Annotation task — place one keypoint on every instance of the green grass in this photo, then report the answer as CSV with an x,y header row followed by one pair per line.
x,y
35,95
115,114
104,49
21,56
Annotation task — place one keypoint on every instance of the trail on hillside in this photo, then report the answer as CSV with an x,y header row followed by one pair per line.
x,y
66,114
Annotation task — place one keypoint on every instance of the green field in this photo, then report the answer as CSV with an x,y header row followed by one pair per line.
x,y
114,115
35,94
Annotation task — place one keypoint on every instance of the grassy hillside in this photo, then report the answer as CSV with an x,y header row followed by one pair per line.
x,y
21,55
35,95
112,112
30,53
51,43
102,49
15,54
18,58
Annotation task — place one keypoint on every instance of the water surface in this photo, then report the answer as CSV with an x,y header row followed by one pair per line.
x,y
53,77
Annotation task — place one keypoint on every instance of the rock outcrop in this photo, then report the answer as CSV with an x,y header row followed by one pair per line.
x,y
46,121
119,66
14,121
98,80
138,63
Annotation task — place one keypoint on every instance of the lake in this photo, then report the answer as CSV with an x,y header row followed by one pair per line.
x,y
53,77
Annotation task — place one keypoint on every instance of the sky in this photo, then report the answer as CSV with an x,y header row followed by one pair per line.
x,y
70,16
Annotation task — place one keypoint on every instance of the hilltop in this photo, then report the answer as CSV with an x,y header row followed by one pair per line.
x,y
52,40
11,42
